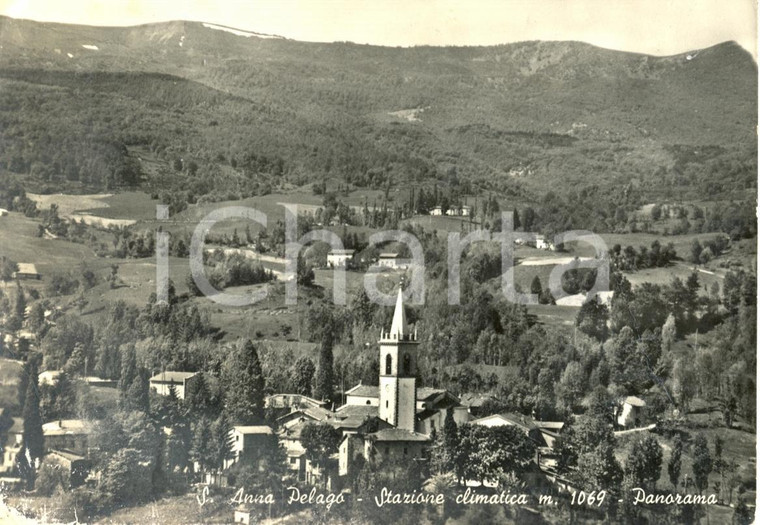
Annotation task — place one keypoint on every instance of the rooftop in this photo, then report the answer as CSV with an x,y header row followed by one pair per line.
x,y
635,401
517,420
26,268
172,377
397,434
476,400
341,252
254,429
364,391
62,427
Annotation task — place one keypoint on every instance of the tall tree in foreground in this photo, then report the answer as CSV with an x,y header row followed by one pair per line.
x,y
702,464
245,386
302,374
674,463
645,462
320,442
221,447
323,389
33,440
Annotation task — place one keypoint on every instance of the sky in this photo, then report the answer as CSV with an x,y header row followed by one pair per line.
x,y
657,27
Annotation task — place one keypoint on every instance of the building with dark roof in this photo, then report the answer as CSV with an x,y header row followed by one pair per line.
x,y
162,383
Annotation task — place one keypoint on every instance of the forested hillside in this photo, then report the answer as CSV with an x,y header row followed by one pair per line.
x,y
80,106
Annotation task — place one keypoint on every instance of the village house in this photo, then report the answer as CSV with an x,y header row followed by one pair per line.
x,y
70,435
49,377
632,412
292,401
393,261
12,447
247,441
340,258
524,423
476,403
162,383
27,271
436,210
75,466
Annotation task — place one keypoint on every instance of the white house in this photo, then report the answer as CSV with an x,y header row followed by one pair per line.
x,y
632,412
48,377
466,210
247,441
14,438
392,260
340,258
27,271
436,210
163,382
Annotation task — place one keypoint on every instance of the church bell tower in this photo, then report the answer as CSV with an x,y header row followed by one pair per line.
x,y
398,370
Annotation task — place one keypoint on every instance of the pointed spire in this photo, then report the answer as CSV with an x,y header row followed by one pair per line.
x,y
399,328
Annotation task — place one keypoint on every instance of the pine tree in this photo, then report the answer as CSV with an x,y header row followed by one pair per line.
x,y
200,451
535,286
197,394
137,397
221,441
245,386
323,389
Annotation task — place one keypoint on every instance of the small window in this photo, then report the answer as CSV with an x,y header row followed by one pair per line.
x,y
388,364
406,451
293,461
407,364
369,402
386,404
387,450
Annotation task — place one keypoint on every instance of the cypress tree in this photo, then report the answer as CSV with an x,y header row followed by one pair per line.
x,y
33,438
245,386
323,388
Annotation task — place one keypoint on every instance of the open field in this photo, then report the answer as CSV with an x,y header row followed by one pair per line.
x,y
19,242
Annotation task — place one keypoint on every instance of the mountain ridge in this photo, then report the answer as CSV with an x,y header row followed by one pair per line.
x,y
566,113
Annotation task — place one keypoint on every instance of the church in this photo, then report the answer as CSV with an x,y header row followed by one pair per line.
x,y
390,420
404,414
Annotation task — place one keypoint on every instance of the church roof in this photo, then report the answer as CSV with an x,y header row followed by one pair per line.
x,y
423,393
399,328
397,434
364,391
356,410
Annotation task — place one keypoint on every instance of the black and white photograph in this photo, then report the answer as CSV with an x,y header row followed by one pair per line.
x,y
348,262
